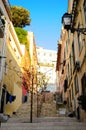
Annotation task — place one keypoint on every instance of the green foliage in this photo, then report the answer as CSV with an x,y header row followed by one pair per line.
x,y
22,35
20,16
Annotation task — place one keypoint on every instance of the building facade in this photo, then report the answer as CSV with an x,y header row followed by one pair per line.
x,y
15,63
47,65
10,64
73,60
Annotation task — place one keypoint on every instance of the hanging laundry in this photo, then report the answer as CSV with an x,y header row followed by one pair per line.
x,y
10,98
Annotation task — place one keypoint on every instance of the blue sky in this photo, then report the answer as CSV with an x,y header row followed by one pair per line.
x,y
45,20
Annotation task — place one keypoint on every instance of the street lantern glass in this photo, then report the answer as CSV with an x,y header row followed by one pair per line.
x,y
68,24
67,20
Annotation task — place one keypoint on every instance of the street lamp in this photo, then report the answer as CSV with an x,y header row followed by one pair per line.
x,y
67,23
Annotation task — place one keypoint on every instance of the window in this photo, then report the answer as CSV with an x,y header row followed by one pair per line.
x,y
38,53
64,55
70,66
65,85
70,98
76,84
73,53
1,12
79,40
66,47
72,91
44,54
68,37
68,71
85,9
0,64
6,68
83,82
50,54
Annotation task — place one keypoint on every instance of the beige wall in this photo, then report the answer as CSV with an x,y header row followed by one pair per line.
x,y
14,106
79,56
69,39
11,73
12,80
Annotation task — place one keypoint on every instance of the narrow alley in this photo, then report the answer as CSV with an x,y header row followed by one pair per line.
x,y
42,65
47,120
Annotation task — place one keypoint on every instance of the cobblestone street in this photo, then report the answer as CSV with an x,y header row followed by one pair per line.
x,y
48,119
42,64
45,123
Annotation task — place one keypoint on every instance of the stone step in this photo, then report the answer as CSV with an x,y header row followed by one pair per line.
x,y
45,119
42,126
48,109
47,123
43,123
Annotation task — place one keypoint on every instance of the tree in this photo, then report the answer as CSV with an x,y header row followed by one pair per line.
x,y
20,16
42,81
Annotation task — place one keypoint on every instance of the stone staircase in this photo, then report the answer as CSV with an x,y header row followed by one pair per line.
x,y
48,120
25,108
47,107
48,110
45,123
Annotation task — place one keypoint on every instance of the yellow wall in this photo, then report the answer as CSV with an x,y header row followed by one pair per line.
x,y
14,106
13,82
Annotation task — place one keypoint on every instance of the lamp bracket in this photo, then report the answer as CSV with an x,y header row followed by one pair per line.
x,y
80,30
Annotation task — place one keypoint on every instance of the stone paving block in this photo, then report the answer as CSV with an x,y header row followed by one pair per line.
x,y
50,124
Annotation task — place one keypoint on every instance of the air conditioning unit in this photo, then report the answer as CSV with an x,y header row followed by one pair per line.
x,y
77,65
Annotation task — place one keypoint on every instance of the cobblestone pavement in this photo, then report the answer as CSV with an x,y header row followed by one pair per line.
x,y
48,110
47,120
45,123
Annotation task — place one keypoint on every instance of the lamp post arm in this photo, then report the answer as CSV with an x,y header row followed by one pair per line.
x,y
80,30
